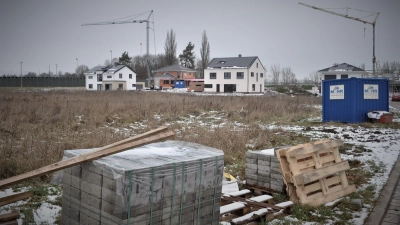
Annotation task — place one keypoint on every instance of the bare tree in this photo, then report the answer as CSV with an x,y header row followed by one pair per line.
x,y
315,78
275,74
286,75
80,70
204,54
170,48
385,67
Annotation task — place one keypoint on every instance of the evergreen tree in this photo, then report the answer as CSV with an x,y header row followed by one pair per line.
x,y
187,57
125,59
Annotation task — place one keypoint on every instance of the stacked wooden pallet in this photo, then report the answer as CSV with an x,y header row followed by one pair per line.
x,y
263,172
314,173
240,208
169,182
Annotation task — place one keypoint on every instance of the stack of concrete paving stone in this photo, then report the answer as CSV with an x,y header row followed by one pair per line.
x,y
170,182
263,170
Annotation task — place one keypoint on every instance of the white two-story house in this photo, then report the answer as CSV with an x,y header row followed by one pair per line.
x,y
117,77
235,74
342,71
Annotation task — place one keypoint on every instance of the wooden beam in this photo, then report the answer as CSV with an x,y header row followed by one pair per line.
x,y
10,222
139,140
9,216
13,198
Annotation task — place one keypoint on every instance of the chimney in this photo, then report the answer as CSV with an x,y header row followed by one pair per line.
x,y
240,55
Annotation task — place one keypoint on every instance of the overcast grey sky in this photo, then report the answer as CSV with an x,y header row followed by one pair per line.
x,y
48,32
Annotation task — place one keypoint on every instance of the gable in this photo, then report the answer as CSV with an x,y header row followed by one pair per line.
x,y
342,68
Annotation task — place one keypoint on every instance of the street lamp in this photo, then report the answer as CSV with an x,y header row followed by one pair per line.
x,y
21,74
56,69
111,57
76,62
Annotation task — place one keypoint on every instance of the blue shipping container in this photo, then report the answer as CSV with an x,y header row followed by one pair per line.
x,y
179,84
349,100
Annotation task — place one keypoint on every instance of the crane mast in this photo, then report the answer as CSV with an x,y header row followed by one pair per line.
x,y
356,19
147,35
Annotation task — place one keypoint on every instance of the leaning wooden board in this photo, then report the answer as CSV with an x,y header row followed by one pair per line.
x,y
139,140
314,172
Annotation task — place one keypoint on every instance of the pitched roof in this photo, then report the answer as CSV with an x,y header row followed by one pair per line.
x,y
342,67
96,68
114,69
244,62
165,75
175,67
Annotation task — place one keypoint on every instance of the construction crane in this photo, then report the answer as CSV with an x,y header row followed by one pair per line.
x,y
129,20
359,20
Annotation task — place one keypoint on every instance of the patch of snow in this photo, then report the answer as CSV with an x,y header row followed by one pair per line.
x,y
231,207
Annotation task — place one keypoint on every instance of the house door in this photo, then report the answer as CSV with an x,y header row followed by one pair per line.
x,y
99,87
108,87
217,87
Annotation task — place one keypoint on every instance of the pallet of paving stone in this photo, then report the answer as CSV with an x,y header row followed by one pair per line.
x,y
314,173
263,171
170,182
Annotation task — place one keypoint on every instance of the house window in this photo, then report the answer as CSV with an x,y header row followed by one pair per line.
x,y
109,77
261,75
213,75
120,86
172,82
120,75
166,81
239,75
257,65
343,76
221,62
130,76
99,77
90,77
257,77
330,77
179,74
227,75
252,74
207,85
253,87
90,86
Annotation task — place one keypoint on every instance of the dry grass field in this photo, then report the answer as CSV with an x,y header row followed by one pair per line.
x,y
36,126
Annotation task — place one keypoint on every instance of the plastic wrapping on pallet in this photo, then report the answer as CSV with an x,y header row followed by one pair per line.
x,y
172,181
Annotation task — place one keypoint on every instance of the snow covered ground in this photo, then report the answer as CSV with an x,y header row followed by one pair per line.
x,y
381,144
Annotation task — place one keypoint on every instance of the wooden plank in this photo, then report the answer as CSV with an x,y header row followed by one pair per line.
x,y
317,186
139,140
314,147
9,216
317,200
10,222
320,173
251,203
14,198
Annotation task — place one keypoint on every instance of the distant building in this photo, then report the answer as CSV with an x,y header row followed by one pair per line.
x,y
166,77
117,77
342,71
234,74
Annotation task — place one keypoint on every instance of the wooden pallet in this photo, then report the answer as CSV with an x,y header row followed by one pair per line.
x,y
238,210
314,173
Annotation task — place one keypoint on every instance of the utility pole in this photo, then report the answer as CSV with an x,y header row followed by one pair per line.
x,y
359,20
56,69
111,58
77,63
21,74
